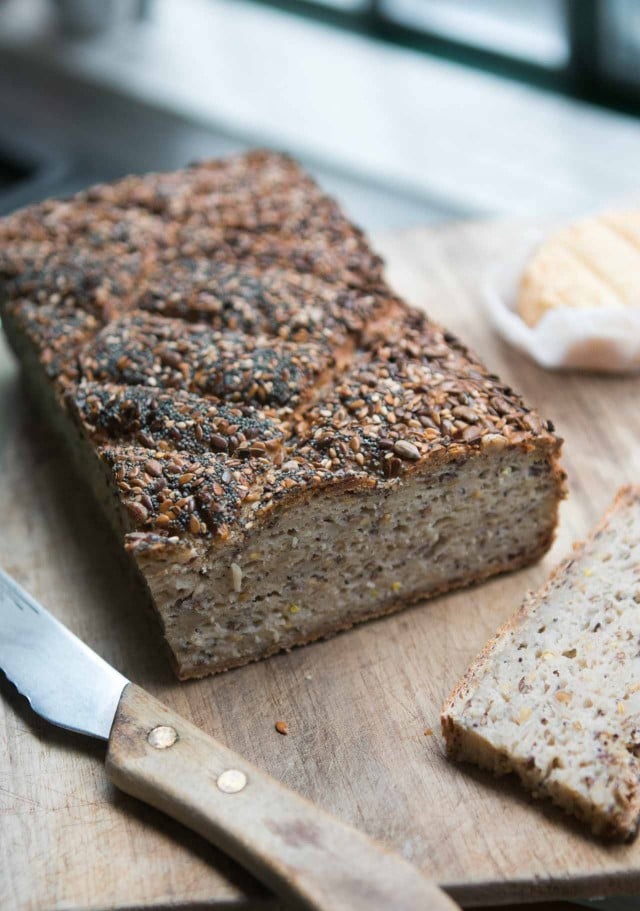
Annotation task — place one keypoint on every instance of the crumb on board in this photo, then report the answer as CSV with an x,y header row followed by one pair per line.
x,y
282,727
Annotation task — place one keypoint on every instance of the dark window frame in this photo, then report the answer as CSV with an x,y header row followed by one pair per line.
x,y
583,77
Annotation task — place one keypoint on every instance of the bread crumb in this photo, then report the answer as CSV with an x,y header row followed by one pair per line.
x,y
428,732
282,727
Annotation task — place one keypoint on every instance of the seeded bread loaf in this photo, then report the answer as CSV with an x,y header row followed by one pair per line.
x,y
555,697
284,447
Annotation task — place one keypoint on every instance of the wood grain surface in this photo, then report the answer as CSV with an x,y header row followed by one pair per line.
x,y
360,708
312,860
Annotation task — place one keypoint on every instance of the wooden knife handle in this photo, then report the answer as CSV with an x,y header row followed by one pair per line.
x,y
307,857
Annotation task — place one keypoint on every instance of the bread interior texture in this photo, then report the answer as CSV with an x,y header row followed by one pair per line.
x,y
327,562
555,697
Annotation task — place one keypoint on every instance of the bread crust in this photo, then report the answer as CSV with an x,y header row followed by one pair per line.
x,y
224,340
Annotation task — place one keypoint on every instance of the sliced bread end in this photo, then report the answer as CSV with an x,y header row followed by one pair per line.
x,y
555,696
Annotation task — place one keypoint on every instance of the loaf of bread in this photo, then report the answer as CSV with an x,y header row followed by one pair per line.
x,y
284,447
555,697
591,264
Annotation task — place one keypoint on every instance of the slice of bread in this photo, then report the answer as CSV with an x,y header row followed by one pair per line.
x,y
589,264
555,696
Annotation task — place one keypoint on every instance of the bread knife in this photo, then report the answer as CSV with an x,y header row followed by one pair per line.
x,y
307,857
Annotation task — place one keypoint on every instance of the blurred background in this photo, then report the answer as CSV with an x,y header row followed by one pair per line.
x,y
409,110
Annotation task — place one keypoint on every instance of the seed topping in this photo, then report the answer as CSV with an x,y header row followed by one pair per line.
x,y
226,339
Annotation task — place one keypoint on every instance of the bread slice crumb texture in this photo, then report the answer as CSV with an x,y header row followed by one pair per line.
x,y
555,697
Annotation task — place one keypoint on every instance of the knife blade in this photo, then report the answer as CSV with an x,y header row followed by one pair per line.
x,y
62,678
310,859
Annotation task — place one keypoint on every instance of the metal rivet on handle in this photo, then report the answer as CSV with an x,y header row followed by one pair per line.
x,y
232,781
162,737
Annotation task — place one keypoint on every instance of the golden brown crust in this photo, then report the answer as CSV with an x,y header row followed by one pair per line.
x,y
239,284
224,341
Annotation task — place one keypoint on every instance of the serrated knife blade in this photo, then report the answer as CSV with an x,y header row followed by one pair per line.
x,y
311,860
63,679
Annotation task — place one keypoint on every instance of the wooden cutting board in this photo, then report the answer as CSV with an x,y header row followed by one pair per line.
x,y
362,709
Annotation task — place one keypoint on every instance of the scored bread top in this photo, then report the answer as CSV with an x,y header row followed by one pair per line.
x,y
555,696
226,337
